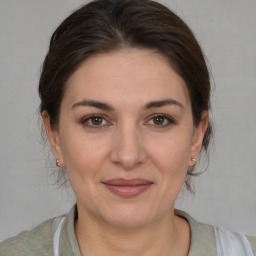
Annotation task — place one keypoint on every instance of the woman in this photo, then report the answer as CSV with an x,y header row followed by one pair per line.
x,y
125,95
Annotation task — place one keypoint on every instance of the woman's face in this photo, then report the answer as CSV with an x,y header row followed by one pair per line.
x,y
126,136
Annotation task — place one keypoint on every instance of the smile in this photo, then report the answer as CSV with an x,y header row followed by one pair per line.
x,y
128,188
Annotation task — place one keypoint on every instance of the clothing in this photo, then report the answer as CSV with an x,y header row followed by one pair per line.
x,y
39,240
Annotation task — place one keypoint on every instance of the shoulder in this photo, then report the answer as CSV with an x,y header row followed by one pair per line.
x,y
203,240
37,241
252,241
202,236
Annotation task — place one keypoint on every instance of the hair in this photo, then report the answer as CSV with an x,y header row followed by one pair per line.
x,y
104,26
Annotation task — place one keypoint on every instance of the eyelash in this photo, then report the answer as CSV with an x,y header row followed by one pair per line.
x,y
85,121
167,119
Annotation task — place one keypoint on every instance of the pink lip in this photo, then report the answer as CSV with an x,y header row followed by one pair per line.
x,y
127,188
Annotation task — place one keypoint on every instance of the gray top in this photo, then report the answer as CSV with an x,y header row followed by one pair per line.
x,y
39,240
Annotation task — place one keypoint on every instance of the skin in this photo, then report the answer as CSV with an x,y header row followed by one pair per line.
x,y
128,142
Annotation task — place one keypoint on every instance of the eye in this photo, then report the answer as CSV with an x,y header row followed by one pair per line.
x,y
95,121
160,120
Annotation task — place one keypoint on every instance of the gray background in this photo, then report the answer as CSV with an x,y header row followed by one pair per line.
x,y
225,194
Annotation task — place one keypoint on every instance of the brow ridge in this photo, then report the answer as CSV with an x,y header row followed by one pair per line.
x,y
105,106
162,103
92,103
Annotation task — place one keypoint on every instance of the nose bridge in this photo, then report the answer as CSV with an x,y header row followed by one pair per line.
x,y
128,150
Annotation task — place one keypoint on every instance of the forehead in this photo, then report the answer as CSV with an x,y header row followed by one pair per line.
x,y
132,76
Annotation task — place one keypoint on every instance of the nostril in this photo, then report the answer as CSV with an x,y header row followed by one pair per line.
x,y
128,156
128,163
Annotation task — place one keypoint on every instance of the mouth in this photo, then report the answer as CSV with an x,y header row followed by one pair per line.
x,y
127,188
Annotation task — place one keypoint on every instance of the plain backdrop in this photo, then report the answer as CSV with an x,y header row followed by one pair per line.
x,y
225,193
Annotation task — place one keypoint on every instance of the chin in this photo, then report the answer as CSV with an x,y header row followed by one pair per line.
x,y
128,217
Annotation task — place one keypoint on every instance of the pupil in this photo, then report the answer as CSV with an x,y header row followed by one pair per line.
x,y
96,120
158,120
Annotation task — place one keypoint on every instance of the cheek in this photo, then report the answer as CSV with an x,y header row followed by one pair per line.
x,y
82,155
171,153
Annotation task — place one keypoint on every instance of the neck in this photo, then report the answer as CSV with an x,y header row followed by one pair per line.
x,y
169,235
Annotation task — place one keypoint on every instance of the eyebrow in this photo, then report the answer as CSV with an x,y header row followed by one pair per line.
x,y
93,103
105,106
162,103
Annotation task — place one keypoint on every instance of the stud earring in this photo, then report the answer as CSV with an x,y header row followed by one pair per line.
x,y
193,160
57,163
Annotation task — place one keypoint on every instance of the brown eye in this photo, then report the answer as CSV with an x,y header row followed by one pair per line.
x,y
96,120
159,120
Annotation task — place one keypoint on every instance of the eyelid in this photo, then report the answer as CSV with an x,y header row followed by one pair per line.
x,y
167,117
84,121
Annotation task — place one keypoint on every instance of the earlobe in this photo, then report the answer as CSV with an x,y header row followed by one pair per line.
x,y
53,137
198,135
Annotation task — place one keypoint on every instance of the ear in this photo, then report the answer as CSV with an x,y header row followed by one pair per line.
x,y
198,136
54,139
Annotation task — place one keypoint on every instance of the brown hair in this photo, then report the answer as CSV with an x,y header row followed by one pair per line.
x,y
111,25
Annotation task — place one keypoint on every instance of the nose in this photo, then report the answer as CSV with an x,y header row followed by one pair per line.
x,y
128,150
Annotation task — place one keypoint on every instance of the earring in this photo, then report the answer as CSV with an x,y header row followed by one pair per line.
x,y
193,160
58,163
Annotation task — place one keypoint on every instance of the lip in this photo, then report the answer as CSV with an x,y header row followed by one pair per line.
x,y
128,188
